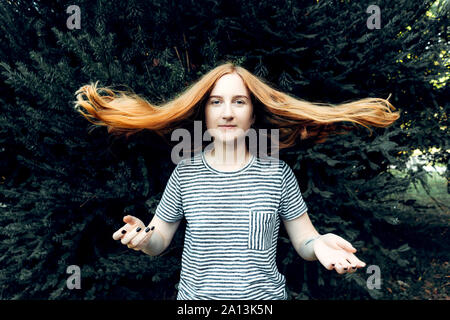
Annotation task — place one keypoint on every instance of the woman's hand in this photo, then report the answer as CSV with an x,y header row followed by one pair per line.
x,y
334,252
133,234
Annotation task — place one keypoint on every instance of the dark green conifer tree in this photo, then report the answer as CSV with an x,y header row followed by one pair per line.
x,y
64,187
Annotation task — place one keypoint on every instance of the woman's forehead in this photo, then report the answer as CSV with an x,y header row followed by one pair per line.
x,y
234,96
230,85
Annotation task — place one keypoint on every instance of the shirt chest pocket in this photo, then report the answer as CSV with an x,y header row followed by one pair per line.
x,y
261,227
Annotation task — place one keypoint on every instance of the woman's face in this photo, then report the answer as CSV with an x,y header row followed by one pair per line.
x,y
229,110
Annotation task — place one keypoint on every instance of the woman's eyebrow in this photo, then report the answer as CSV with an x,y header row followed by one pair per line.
x,y
238,96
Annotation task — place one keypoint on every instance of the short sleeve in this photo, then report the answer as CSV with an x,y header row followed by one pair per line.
x,y
170,208
291,203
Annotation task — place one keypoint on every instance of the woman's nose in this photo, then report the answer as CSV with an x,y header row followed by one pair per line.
x,y
227,111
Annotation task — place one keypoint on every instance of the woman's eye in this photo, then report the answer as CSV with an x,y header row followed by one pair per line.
x,y
218,101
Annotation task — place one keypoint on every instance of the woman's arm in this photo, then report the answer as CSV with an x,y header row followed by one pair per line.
x,y
332,251
162,237
153,240
302,234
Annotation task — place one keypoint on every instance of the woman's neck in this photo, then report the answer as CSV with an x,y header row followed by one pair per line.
x,y
230,156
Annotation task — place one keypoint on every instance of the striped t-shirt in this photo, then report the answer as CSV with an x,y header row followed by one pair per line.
x,y
232,227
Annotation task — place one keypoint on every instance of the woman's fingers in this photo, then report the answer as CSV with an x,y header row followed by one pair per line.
x,y
340,264
354,262
131,222
344,244
136,249
352,265
119,234
341,258
330,262
348,264
339,268
131,234
329,266
142,237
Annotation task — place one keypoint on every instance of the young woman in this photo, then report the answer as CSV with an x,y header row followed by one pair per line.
x,y
232,199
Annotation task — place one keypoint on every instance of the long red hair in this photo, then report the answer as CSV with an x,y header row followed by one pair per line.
x,y
124,112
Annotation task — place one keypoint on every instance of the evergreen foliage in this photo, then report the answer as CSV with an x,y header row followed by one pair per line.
x,y
64,187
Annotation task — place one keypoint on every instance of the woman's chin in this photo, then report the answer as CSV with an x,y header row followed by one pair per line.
x,y
228,138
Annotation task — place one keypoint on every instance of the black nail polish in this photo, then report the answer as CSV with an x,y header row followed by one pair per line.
x,y
147,229
152,228
138,229
124,231
345,268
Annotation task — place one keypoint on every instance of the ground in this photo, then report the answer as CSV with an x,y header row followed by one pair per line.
x,y
430,276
